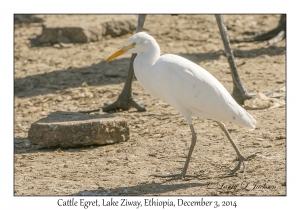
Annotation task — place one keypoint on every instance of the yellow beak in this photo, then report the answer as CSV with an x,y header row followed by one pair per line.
x,y
119,52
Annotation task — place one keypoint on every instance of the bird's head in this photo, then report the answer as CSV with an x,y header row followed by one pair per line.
x,y
136,44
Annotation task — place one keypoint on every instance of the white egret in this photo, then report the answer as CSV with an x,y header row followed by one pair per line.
x,y
186,86
125,100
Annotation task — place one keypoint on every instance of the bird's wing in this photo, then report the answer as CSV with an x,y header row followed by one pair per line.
x,y
197,90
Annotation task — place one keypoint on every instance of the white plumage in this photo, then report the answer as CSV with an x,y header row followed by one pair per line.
x,y
186,86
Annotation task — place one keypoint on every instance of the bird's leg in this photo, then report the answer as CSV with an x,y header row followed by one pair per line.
x,y
239,93
240,156
275,35
185,167
125,100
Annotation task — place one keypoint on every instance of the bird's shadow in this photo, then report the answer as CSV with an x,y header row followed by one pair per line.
x,y
49,82
95,75
140,189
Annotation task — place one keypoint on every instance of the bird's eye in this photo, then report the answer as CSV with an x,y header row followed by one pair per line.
x,y
133,44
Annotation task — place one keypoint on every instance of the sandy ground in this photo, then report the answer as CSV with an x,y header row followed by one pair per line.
x,y
48,79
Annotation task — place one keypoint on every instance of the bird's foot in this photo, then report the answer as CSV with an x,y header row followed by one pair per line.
x,y
241,97
176,176
273,36
123,103
241,160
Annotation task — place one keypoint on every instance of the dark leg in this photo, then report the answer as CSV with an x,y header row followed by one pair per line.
x,y
240,156
273,36
183,173
125,100
239,93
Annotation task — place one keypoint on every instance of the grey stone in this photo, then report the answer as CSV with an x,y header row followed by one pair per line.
x,y
72,129
66,35
118,28
52,35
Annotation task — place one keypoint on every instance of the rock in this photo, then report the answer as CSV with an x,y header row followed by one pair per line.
x,y
67,35
82,33
118,28
72,129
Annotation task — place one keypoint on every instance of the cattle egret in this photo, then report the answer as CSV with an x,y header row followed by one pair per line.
x,y
190,89
125,100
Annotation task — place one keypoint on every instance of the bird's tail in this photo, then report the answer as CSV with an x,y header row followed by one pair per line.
x,y
247,121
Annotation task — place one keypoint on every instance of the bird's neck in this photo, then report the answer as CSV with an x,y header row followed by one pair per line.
x,y
150,55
